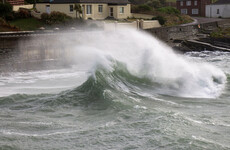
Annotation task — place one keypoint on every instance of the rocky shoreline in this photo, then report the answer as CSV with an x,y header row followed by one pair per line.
x,y
202,44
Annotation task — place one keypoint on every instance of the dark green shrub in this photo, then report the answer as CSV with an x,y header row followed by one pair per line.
x,y
30,1
163,2
22,13
169,10
5,9
154,3
2,21
58,17
10,17
144,7
161,19
54,17
141,8
44,16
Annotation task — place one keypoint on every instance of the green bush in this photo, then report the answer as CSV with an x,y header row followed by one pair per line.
x,y
161,19
154,3
169,10
22,13
2,21
54,17
30,1
5,9
44,16
141,8
144,7
10,17
221,33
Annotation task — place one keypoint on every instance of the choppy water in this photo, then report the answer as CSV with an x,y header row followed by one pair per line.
x,y
132,92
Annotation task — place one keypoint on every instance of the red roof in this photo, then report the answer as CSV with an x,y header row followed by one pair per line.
x,y
16,2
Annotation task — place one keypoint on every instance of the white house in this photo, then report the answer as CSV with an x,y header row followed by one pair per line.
x,y
221,8
91,9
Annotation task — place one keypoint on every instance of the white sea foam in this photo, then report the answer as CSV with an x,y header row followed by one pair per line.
x,y
6,132
199,138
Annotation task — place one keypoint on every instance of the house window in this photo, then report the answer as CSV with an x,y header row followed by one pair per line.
x,y
218,11
188,3
100,8
181,3
195,3
88,9
184,11
122,10
70,8
195,11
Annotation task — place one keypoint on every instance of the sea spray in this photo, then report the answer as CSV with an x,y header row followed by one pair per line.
x,y
147,57
144,57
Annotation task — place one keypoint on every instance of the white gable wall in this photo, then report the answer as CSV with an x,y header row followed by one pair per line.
x,y
224,11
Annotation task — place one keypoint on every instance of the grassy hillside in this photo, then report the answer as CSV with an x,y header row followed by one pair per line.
x,y
171,1
176,0
221,33
4,26
26,24
143,1
167,16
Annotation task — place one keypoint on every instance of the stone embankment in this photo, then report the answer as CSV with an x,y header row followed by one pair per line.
x,y
193,37
188,32
21,51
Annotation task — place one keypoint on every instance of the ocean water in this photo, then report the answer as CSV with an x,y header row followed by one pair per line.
x,y
125,90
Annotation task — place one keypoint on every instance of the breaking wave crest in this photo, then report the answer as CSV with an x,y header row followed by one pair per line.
x,y
129,63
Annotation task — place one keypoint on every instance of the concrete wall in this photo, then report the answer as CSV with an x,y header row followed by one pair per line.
x,y
127,25
149,24
139,24
215,11
142,16
16,7
36,14
26,53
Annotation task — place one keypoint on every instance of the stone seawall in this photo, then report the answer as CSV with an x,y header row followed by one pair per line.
x,y
169,34
19,53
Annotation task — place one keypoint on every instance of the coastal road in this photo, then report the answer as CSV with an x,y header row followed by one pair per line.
x,y
201,20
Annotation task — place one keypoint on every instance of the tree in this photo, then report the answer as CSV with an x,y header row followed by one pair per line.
x,y
5,9
154,3
163,2
29,1
78,9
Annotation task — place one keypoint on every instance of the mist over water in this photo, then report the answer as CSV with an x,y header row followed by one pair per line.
x,y
125,90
